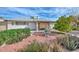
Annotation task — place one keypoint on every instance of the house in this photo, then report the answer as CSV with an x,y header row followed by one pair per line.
x,y
33,24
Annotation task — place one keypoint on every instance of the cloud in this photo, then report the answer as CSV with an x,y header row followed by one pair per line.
x,y
42,12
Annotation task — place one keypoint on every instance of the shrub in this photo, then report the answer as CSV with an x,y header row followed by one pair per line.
x,y
43,47
77,28
13,35
55,47
64,24
46,31
70,42
34,47
74,28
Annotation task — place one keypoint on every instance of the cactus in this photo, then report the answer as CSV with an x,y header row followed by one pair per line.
x,y
70,42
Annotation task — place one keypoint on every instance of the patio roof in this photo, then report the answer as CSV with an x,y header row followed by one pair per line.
x,y
28,19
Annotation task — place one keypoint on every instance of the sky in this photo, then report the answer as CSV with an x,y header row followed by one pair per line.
x,y
51,13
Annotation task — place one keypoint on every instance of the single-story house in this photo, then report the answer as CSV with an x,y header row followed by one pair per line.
x,y
34,24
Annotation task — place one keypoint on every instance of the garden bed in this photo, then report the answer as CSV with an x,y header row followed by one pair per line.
x,y
35,43
66,44
13,35
25,42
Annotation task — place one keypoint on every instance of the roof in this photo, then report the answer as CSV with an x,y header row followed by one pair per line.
x,y
1,20
28,19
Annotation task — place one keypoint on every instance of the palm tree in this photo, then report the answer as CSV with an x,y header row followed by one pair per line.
x,y
34,17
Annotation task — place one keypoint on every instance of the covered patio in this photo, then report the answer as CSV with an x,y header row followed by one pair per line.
x,y
41,26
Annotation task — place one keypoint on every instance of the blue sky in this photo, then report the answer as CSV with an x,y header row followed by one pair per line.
x,y
42,12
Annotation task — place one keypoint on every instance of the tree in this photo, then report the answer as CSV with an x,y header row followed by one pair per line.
x,y
64,24
77,19
34,17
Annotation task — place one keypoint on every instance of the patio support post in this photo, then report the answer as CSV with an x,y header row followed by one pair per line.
x,y
6,22
37,26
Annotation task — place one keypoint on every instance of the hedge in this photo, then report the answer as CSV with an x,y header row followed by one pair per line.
x,y
13,35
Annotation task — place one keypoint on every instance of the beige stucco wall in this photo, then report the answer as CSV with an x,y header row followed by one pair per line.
x,y
2,27
31,25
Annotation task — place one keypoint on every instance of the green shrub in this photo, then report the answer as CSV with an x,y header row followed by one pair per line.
x,y
13,35
46,31
34,47
70,42
43,47
77,28
74,28
64,24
